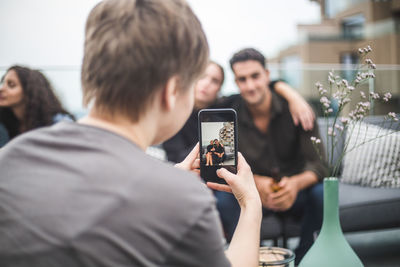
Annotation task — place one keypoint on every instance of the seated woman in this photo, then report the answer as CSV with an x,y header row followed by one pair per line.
x,y
210,153
27,101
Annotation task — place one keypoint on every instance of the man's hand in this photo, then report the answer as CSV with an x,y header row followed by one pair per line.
x,y
285,197
264,187
191,162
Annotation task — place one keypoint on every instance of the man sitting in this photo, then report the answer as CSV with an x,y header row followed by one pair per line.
x,y
270,141
219,152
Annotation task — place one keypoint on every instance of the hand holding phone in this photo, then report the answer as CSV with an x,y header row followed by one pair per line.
x,y
218,142
242,184
191,162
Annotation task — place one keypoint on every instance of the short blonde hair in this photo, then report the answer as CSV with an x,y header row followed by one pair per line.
x,y
132,48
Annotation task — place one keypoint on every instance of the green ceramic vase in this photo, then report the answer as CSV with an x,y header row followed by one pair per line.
x,y
331,249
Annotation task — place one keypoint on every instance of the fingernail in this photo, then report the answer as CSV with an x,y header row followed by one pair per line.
x,y
221,170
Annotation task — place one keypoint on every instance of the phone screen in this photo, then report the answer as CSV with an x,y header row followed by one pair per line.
x,y
218,141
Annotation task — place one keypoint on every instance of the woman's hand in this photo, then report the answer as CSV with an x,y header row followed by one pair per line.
x,y
242,184
191,162
302,112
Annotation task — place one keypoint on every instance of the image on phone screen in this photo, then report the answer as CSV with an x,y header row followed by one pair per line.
x,y
218,142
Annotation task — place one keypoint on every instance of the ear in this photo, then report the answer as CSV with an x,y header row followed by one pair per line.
x,y
267,73
267,76
170,93
236,79
236,82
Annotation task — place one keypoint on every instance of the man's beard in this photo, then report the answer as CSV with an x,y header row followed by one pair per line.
x,y
260,100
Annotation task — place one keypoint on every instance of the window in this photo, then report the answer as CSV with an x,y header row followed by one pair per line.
x,y
333,7
353,27
291,71
349,61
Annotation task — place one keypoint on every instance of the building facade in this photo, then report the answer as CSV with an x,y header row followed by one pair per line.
x,y
346,25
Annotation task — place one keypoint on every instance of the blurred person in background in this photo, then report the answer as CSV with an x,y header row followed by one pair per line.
x,y
280,153
207,89
28,101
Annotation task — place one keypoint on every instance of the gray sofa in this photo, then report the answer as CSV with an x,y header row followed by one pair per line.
x,y
229,152
361,208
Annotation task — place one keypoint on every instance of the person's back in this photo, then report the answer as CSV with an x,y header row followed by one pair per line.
x,y
95,216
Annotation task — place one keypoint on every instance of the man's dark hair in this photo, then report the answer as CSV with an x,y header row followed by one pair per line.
x,y
248,54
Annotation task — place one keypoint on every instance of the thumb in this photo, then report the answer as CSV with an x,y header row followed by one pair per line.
x,y
226,175
192,155
283,182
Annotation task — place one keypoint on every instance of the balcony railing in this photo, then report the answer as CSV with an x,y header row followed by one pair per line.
x,y
304,77
66,82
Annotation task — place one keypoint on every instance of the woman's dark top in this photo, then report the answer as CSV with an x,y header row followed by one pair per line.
x,y
209,147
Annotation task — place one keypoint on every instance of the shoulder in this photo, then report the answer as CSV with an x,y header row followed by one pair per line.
x,y
227,101
104,162
272,84
279,102
62,117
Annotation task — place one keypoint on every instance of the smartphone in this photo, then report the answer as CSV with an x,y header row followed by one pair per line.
x,y
218,139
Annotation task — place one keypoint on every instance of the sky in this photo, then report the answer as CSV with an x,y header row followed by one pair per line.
x,y
48,34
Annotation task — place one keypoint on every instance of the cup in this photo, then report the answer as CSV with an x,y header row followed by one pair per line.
x,y
275,256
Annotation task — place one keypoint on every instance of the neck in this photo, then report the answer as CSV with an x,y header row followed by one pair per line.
x,y
200,105
19,112
137,132
262,108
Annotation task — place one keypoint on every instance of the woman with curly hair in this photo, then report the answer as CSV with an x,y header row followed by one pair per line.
x,y
27,101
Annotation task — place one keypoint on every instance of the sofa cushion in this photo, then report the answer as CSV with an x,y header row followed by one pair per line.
x,y
364,208
372,161
325,123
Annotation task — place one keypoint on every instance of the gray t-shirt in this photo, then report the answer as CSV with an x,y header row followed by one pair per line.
x,y
76,195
